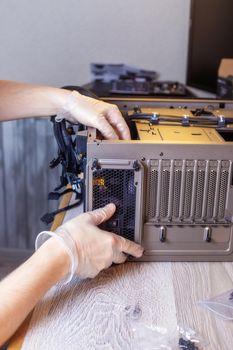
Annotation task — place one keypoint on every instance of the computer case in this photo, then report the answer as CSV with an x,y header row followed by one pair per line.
x,y
172,183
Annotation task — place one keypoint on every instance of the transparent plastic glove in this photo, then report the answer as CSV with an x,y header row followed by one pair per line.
x,y
103,116
65,239
98,249
89,248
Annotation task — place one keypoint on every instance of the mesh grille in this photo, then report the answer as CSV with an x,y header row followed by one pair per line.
x,y
176,195
116,186
152,192
222,193
164,193
187,190
188,193
199,192
211,193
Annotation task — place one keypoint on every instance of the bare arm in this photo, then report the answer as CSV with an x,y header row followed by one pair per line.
x,y
19,100
21,290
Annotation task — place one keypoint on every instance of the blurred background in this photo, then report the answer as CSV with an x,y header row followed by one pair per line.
x,y
53,42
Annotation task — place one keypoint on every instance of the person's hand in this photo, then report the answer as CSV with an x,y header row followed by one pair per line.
x,y
103,116
98,249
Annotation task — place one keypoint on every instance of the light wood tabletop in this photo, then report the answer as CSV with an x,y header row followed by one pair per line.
x,y
90,314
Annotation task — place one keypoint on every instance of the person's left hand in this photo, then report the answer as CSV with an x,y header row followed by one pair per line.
x,y
103,116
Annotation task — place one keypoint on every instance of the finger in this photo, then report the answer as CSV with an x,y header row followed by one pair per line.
x,y
102,214
129,247
119,258
106,129
116,119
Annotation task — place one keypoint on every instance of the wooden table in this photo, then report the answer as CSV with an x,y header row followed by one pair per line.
x,y
90,314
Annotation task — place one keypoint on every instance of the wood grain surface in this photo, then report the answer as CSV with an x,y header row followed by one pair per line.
x,y
91,314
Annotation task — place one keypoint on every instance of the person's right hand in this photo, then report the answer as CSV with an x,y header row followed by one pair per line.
x,y
98,249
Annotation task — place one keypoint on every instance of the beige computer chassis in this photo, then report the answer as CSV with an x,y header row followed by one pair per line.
x,y
173,185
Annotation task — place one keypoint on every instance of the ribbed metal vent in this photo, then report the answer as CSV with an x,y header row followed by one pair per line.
x,y
199,192
222,193
117,186
176,196
187,191
211,193
152,185
164,192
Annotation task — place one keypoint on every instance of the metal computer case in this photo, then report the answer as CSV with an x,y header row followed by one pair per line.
x,y
175,197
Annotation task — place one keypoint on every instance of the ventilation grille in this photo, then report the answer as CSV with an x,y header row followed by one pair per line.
x,y
116,186
187,191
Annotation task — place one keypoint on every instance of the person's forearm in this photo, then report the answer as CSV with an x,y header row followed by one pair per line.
x,y
25,100
18,100
19,295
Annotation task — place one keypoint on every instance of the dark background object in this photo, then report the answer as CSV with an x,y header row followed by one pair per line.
x,y
225,87
121,88
210,40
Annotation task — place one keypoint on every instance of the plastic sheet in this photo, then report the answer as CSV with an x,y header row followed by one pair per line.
x,y
221,305
154,337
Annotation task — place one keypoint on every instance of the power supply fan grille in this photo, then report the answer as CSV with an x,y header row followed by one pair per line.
x,y
116,186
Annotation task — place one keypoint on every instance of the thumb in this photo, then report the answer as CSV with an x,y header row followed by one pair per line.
x,y
102,214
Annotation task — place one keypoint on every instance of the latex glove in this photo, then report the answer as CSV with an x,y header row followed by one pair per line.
x,y
98,249
103,116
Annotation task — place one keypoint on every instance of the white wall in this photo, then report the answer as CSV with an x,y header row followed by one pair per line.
x,y
53,41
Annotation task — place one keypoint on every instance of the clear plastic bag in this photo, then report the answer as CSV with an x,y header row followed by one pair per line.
x,y
153,337
221,305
